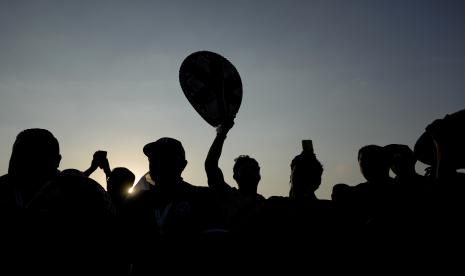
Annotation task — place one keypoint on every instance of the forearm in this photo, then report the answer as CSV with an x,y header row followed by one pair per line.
x,y
214,173
107,171
89,171
215,151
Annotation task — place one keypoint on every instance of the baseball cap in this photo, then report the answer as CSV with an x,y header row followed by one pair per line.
x,y
164,146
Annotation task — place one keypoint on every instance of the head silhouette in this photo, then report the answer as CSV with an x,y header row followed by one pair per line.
x,y
402,160
73,198
306,173
71,171
35,155
374,163
119,183
246,172
443,134
166,160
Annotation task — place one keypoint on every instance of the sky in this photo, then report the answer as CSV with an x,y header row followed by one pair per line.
x,y
103,75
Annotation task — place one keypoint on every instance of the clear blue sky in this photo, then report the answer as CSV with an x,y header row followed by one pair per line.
x,y
104,75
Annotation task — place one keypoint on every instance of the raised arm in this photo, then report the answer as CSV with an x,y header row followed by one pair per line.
x,y
214,173
99,160
105,166
93,165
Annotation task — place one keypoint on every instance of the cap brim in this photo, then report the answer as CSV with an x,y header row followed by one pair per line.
x,y
148,149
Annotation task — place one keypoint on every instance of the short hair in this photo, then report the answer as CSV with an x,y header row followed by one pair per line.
x,y
241,160
309,161
37,143
36,139
373,151
394,150
121,174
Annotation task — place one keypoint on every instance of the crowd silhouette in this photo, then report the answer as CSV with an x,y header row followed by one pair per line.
x,y
169,220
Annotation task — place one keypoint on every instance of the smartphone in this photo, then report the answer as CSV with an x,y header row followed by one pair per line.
x,y
101,154
307,146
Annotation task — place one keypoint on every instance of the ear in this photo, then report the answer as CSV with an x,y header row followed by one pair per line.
x,y
57,161
236,175
182,165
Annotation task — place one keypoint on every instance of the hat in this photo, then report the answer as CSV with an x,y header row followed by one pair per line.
x,y
164,146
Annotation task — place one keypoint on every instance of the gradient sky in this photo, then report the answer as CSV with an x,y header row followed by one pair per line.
x,y
104,75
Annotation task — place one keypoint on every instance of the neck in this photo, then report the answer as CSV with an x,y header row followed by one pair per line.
x,y
248,191
167,182
307,196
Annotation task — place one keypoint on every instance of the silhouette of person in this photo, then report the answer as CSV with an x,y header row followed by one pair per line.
x,y
119,180
175,202
403,166
449,149
168,217
301,217
412,191
34,161
99,160
370,200
70,214
442,147
236,204
306,172
73,199
119,183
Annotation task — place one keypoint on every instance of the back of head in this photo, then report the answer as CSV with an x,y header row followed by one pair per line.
x,y
120,181
402,159
73,198
167,159
36,153
71,214
374,162
306,172
246,173
72,171
340,192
